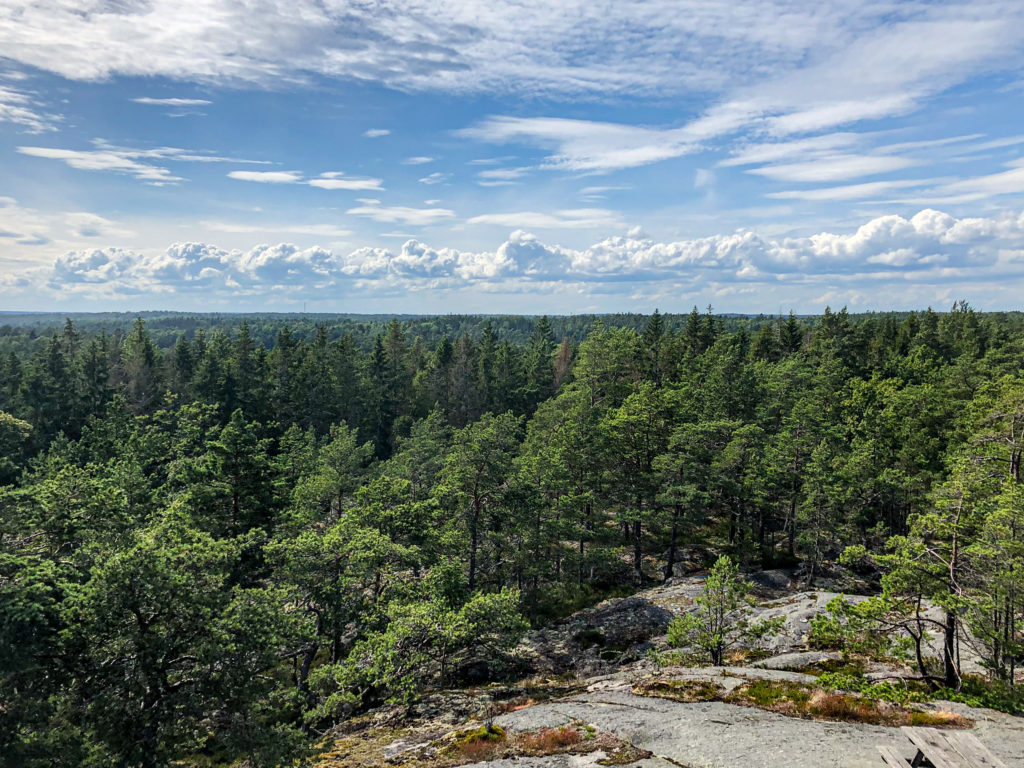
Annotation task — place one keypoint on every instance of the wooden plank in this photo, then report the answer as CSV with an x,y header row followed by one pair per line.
x,y
932,742
975,753
891,757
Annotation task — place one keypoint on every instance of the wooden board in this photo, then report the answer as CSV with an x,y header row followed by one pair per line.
x,y
891,757
932,742
952,749
976,753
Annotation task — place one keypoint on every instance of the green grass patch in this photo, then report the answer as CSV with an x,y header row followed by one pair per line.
x,y
686,691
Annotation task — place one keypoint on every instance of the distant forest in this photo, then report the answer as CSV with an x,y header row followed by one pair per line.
x,y
221,535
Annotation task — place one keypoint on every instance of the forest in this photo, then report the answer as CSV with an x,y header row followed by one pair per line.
x,y
221,537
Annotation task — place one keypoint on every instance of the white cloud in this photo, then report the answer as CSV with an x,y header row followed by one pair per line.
x,y
499,177
336,180
21,108
418,160
419,217
925,254
834,168
435,178
105,160
503,174
138,163
578,218
21,226
849,191
172,102
376,133
330,180
775,67
629,47
267,177
583,145
703,178
322,230
85,224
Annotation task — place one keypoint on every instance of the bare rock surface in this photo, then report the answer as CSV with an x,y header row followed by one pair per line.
x,y
797,659
565,761
719,735
604,651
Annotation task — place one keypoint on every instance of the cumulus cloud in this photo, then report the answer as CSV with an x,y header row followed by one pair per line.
x,y
931,248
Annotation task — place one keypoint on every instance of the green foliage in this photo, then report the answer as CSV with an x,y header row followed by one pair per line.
x,y
885,690
428,640
221,534
721,618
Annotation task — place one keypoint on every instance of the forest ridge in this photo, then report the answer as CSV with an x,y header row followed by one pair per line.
x,y
221,537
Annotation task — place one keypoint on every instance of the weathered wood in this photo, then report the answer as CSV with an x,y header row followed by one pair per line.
x,y
952,749
976,753
933,744
891,757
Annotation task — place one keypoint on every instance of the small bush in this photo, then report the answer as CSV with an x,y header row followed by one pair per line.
x,y
548,741
491,733
478,751
847,709
885,690
976,691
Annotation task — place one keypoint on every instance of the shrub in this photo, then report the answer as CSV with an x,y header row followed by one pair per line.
x,y
548,741
721,618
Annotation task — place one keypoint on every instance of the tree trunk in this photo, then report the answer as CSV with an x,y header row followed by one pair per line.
x,y
638,551
950,670
670,565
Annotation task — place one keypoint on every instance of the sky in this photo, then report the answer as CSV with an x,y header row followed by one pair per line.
x,y
420,156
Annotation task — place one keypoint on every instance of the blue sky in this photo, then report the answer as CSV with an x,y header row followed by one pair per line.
x,y
424,156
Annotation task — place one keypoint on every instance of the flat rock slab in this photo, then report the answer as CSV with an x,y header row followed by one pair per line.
x,y
719,735
563,761
727,677
797,659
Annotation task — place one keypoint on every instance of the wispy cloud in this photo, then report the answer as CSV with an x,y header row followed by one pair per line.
x,y
172,102
376,133
435,178
834,168
267,177
329,180
22,108
322,230
583,145
418,160
577,218
105,160
137,163
420,217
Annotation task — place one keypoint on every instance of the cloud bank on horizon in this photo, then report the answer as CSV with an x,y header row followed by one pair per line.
x,y
758,155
